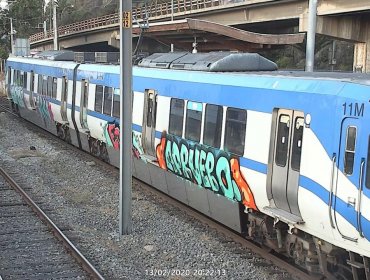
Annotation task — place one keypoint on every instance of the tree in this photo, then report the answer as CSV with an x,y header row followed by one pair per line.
x,y
27,16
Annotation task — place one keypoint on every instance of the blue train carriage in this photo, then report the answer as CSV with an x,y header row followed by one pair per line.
x,y
281,157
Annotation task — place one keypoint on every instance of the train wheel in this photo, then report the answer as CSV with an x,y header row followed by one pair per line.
x,y
343,273
94,147
104,153
60,132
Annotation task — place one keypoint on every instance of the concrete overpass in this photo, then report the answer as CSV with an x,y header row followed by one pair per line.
x,y
341,19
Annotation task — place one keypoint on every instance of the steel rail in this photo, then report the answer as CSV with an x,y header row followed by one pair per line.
x,y
71,249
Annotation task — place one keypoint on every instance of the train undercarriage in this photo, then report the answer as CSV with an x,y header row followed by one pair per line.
x,y
316,256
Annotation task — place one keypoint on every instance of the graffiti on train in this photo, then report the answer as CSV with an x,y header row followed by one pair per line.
x,y
111,133
44,108
17,95
208,167
137,148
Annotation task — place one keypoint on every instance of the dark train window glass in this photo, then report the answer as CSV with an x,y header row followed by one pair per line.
x,y
116,105
44,86
54,88
50,86
18,77
21,79
282,140
297,144
193,121
108,96
32,81
213,125
25,74
236,121
367,180
14,77
39,84
349,155
98,99
149,113
176,117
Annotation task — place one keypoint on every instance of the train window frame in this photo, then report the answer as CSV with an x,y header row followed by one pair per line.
x,y
281,155
193,109
230,145
295,159
174,127
349,161
96,108
108,91
217,131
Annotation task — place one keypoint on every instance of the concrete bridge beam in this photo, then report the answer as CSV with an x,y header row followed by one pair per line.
x,y
349,28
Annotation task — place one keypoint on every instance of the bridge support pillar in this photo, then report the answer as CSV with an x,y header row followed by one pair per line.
x,y
361,58
349,28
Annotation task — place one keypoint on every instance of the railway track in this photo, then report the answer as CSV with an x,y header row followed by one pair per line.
x,y
31,249
245,243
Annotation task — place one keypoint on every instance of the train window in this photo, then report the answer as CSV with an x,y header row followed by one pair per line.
x,y
149,113
349,155
213,125
50,86
116,103
44,86
18,78
236,121
25,80
99,99
54,88
193,121
32,81
176,117
367,181
39,84
282,140
297,144
108,92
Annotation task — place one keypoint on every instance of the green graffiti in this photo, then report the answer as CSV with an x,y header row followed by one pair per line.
x,y
207,167
17,95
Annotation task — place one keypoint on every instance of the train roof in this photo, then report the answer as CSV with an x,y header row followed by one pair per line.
x,y
358,78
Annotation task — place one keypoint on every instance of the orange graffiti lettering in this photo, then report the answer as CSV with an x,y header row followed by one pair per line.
x,y
247,195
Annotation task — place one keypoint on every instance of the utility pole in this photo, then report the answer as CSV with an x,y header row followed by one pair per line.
x,y
125,191
55,25
311,33
11,36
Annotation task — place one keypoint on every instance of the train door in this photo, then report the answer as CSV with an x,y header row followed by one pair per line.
x,y
84,103
64,98
286,156
351,167
149,119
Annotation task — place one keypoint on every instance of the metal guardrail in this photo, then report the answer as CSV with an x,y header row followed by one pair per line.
x,y
161,10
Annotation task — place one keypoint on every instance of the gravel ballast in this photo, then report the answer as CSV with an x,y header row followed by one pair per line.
x,y
82,198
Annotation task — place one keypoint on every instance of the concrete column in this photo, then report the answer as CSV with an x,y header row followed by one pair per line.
x,y
362,49
359,57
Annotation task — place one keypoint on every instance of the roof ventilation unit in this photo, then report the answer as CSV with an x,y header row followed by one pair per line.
x,y
211,62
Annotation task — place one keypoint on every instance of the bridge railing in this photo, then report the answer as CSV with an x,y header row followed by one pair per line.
x,y
155,10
